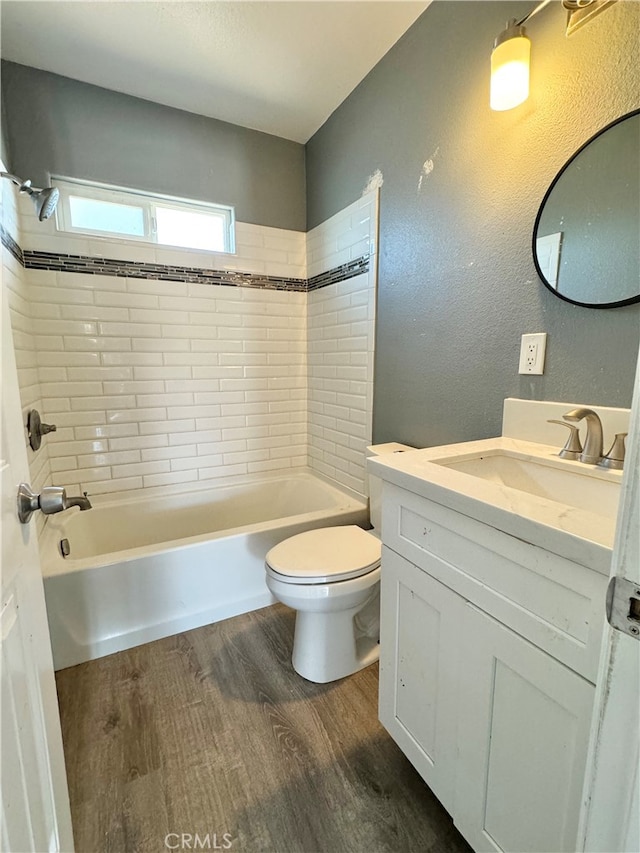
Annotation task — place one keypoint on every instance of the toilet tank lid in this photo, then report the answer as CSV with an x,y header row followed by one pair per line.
x,y
389,447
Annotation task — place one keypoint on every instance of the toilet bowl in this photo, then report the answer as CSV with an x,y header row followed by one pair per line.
x,y
331,577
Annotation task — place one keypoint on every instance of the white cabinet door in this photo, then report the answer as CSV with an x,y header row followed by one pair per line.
x,y
524,722
419,669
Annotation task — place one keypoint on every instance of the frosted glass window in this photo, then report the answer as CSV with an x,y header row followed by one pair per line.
x,y
93,215
189,229
103,210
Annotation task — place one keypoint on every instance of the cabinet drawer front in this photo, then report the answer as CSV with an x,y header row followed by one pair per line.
x,y
418,670
553,602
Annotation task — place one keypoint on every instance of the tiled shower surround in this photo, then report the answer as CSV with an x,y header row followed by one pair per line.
x,y
164,367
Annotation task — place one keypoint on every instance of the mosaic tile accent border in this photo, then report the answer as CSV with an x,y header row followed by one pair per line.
x,y
166,272
9,243
341,273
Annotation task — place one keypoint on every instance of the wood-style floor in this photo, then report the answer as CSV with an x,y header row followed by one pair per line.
x,y
212,732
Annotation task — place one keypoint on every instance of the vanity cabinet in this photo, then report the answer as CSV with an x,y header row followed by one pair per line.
x,y
489,649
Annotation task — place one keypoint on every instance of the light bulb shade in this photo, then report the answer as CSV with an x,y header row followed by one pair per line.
x,y
510,69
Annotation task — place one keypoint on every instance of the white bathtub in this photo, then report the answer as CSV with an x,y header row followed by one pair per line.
x,y
147,567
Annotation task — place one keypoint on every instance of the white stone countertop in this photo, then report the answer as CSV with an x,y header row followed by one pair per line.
x,y
576,534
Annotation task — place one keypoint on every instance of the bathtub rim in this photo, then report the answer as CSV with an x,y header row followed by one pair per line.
x,y
53,563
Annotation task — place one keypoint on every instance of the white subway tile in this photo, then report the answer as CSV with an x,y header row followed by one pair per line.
x,y
125,299
63,327
193,438
53,374
94,460
157,288
155,454
159,345
138,442
80,475
118,485
90,281
80,374
132,330
84,404
176,477
192,384
93,312
164,399
161,372
122,250
222,421
135,415
225,470
156,315
91,344
131,358
176,426
134,387
141,468
74,447
195,462
199,411
72,389
73,419
105,431
39,310
63,463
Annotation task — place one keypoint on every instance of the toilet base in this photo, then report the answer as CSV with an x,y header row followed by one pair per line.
x,y
329,646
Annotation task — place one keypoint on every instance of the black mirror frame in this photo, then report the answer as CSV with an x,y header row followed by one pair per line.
x,y
620,303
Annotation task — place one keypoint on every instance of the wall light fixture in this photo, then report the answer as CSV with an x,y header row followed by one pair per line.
x,y
511,53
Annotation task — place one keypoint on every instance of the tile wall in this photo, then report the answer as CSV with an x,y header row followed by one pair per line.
x,y
155,378
340,344
14,278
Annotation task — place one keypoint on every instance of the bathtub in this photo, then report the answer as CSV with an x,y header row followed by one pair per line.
x,y
149,566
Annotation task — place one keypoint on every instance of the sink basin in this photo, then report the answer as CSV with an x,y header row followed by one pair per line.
x,y
518,487
563,481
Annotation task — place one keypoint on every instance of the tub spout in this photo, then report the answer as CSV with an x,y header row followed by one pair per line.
x,y
82,501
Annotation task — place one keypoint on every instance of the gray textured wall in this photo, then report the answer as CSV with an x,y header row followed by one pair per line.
x,y
457,284
61,126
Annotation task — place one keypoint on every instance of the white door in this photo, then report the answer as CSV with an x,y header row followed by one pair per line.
x,y
35,802
611,812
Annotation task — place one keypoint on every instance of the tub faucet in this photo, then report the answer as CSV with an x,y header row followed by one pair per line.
x,y
82,501
592,453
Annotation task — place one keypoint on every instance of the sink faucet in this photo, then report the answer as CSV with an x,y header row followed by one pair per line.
x,y
592,453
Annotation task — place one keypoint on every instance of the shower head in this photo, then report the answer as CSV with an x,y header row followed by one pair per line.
x,y
45,200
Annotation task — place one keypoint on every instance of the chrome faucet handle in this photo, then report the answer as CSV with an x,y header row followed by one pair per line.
x,y
572,448
614,458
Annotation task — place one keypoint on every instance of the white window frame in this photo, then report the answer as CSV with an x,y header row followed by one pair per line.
x,y
139,198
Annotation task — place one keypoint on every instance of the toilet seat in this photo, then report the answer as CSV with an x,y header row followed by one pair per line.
x,y
324,555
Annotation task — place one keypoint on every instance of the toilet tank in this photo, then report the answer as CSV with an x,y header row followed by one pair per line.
x,y
374,484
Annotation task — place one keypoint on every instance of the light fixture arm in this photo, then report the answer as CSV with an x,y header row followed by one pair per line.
x,y
533,12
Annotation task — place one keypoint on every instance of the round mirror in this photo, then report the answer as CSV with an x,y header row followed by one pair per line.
x,y
586,239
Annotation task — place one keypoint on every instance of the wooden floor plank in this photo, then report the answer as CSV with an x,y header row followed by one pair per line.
x,y
212,732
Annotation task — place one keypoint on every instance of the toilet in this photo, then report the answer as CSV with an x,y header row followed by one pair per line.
x,y
331,577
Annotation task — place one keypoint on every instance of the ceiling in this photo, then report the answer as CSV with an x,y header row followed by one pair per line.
x,y
278,67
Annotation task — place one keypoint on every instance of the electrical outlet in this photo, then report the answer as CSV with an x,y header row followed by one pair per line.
x,y
532,350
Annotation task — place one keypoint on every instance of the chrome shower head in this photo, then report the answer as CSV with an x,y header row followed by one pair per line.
x,y
45,200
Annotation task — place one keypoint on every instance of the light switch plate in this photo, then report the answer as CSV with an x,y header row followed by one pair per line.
x,y
532,351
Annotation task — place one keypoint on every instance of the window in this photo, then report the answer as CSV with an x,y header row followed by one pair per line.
x,y
107,211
